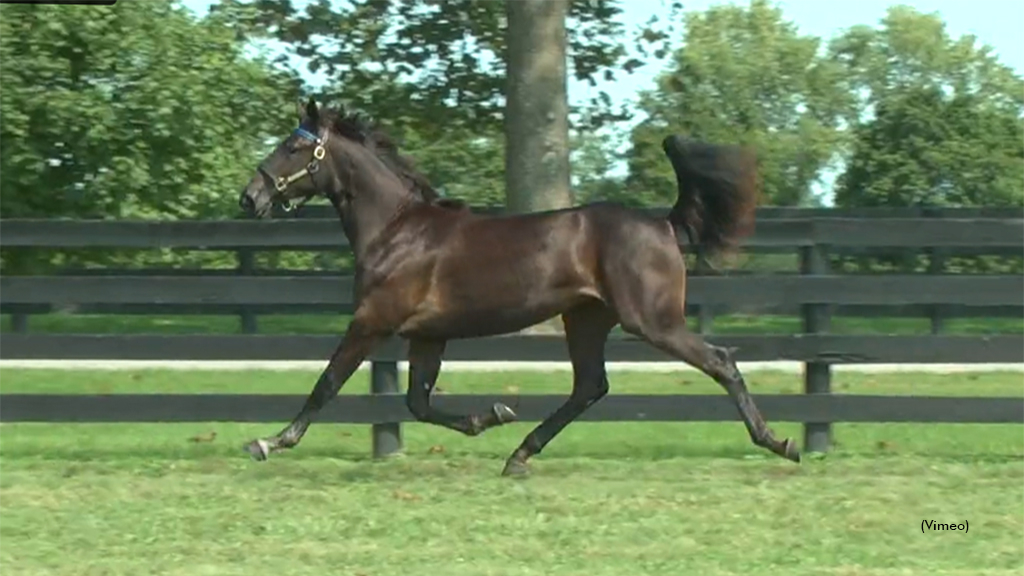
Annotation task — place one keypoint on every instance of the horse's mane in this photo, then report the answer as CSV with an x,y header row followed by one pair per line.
x,y
359,128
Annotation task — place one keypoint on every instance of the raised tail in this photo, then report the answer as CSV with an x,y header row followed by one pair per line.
x,y
718,192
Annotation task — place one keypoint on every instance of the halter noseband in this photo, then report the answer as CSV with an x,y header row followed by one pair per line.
x,y
312,167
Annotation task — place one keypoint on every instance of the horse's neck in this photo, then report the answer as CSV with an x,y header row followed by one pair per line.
x,y
379,196
371,218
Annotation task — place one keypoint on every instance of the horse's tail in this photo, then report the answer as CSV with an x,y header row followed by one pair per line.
x,y
718,192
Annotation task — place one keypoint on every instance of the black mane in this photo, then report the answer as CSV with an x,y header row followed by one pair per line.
x,y
359,128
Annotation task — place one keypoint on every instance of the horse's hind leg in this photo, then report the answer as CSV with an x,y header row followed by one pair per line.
x,y
664,326
424,367
717,362
586,330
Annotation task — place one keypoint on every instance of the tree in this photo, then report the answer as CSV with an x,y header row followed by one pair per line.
x,y
940,119
460,164
139,110
429,63
435,73
592,162
924,149
135,111
537,107
745,75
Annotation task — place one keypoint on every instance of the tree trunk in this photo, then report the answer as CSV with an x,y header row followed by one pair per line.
x,y
537,107
537,112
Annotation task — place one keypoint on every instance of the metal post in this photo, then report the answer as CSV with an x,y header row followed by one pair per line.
x,y
387,438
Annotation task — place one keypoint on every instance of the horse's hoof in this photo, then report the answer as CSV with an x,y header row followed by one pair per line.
x,y
258,449
516,468
790,451
503,413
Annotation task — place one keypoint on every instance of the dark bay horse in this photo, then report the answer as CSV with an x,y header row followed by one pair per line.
x,y
429,270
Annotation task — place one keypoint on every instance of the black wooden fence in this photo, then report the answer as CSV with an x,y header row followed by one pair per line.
x,y
815,291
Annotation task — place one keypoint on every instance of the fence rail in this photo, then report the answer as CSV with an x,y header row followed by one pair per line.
x,y
740,291
828,348
816,292
309,234
382,409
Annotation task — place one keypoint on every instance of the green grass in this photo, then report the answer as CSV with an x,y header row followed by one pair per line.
x,y
605,499
336,323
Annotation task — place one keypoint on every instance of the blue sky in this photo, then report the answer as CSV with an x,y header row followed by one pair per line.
x,y
994,22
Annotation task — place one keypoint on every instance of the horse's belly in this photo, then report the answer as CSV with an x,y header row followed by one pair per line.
x,y
466,320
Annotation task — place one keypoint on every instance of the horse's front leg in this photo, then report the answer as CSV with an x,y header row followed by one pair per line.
x,y
355,346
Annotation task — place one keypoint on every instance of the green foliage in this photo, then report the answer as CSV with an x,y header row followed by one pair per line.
x,y
434,73
919,118
145,111
592,160
136,111
941,117
461,165
744,74
431,60
924,149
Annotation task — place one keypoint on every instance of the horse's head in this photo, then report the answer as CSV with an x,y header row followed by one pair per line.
x,y
345,159
341,157
294,170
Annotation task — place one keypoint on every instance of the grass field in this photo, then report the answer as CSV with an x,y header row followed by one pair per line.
x,y
618,499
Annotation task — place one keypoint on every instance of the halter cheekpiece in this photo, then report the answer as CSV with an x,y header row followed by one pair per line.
x,y
281,183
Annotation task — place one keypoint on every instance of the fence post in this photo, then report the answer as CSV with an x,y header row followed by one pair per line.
x,y
936,265
817,375
387,438
246,265
19,322
705,319
705,312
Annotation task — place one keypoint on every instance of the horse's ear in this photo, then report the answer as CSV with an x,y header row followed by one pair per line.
x,y
312,112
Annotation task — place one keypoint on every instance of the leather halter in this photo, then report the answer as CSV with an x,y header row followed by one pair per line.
x,y
281,183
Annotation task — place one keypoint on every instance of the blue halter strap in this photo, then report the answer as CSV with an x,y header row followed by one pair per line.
x,y
303,133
